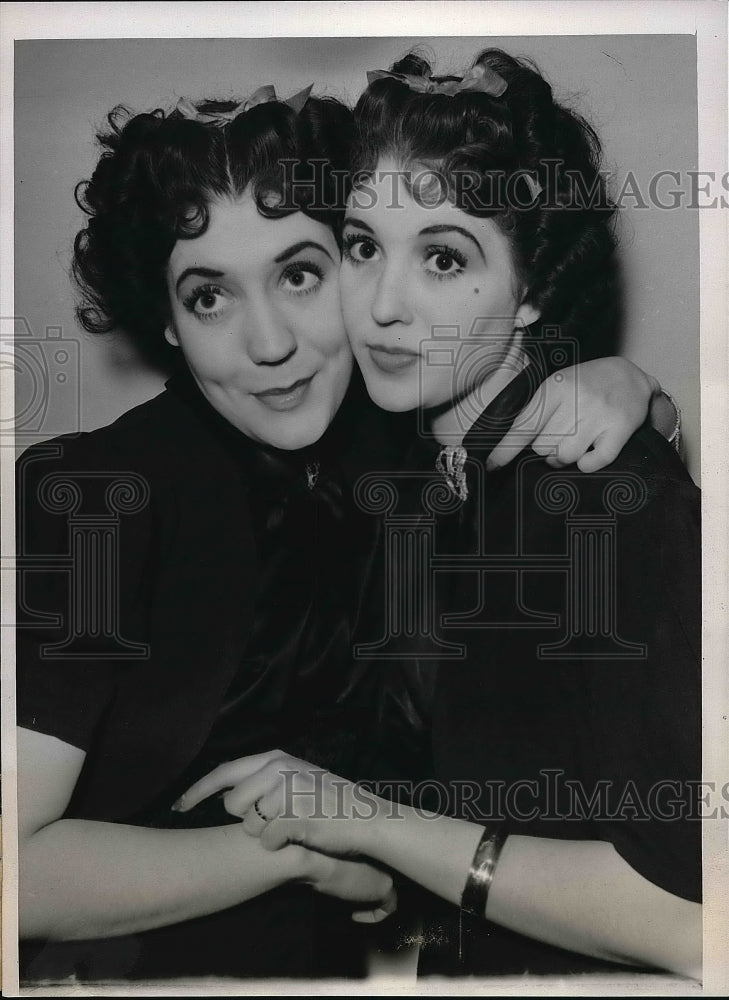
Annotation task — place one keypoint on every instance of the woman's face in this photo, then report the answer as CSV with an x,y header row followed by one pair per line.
x,y
430,295
256,311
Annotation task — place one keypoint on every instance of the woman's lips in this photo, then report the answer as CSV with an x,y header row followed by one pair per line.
x,y
287,397
391,360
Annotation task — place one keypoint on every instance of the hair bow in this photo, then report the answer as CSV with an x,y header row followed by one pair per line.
x,y
261,96
481,79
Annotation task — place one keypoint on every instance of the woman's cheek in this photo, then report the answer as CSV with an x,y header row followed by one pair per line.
x,y
324,327
211,358
356,299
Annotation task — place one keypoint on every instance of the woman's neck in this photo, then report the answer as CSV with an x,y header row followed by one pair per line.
x,y
451,425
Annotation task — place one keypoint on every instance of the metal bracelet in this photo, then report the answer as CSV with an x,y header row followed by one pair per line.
x,y
481,873
675,438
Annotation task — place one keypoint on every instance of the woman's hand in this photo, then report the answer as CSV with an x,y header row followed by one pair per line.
x,y
584,414
285,800
90,879
355,881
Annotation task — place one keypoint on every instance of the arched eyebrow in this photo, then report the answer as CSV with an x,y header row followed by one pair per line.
x,y
349,221
202,272
295,248
445,228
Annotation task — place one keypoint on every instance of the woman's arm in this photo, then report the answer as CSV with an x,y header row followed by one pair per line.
x,y
578,895
81,879
585,414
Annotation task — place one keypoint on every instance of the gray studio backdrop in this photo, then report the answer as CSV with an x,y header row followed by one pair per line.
x,y
638,91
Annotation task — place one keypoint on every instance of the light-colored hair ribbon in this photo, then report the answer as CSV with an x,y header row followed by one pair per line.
x,y
480,78
261,96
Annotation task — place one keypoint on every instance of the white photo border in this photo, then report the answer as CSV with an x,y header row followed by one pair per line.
x,y
705,19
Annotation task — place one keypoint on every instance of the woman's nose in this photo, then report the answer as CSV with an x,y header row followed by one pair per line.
x,y
390,302
269,337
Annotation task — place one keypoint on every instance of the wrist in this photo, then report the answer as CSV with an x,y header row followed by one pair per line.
x,y
371,825
314,868
654,386
674,437
665,417
298,864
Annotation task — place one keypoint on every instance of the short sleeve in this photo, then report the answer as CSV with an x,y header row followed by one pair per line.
x,y
65,664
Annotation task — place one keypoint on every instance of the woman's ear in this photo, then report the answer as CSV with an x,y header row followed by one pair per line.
x,y
526,314
171,336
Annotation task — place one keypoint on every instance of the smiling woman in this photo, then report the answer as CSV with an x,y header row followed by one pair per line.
x,y
236,588
255,311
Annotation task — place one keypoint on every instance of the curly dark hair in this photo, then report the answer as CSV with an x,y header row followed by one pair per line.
x,y
562,237
156,178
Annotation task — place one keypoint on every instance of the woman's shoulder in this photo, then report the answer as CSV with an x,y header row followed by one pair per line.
x,y
157,437
85,446
647,468
647,476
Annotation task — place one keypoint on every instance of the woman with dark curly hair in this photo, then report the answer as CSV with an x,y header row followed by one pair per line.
x,y
564,716
214,620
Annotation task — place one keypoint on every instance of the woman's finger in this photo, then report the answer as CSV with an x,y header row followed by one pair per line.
x,y
254,822
544,446
560,437
225,776
280,778
572,447
528,425
511,445
555,462
378,913
280,832
261,811
605,450
240,800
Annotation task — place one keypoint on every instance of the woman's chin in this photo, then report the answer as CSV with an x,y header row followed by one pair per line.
x,y
296,433
391,394
296,440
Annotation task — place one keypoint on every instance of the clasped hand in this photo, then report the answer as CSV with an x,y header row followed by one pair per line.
x,y
283,800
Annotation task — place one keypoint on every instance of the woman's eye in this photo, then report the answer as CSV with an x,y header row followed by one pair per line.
x,y
444,262
359,249
206,302
302,277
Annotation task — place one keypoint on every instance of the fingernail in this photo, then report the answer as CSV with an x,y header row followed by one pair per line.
x,y
490,465
180,804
